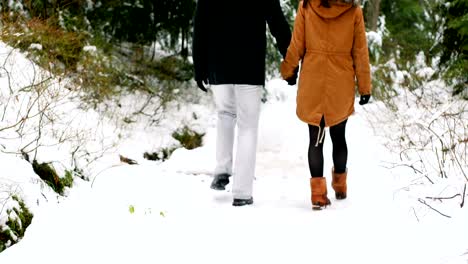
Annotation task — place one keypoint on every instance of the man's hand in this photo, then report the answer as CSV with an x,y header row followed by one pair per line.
x,y
201,84
293,79
364,99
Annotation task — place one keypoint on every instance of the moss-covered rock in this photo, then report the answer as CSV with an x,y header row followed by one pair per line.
x,y
48,174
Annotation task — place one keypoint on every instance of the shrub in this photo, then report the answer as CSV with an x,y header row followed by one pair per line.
x,y
188,138
99,77
162,155
382,83
67,180
101,72
59,51
171,68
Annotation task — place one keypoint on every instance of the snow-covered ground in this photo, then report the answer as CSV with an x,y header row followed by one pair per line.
x,y
165,212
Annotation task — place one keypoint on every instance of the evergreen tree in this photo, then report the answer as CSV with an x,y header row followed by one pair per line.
x,y
454,44
273,56
166,21
408,27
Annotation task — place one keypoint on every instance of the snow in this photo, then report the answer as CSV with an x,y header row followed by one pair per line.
x,y
89,49
423,71
177,218
374,38
35,46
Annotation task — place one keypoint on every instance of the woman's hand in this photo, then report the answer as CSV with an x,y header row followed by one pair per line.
x,y
364,99
293,79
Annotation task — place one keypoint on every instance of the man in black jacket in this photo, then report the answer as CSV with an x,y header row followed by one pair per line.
x,y
229,45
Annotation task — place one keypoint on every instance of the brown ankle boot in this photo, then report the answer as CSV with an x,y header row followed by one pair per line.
x,y
339,184
318,186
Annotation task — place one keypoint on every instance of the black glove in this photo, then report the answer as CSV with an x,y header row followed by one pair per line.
x,y
364,99
293,79
201,85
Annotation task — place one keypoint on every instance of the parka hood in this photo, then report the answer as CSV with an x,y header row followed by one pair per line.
x,y
337,8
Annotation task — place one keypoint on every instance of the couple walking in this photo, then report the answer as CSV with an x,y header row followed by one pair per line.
x,y
328,41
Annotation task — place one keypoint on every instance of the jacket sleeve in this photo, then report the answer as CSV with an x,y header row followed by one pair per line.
x,y
361,55
278,25
297,46
199,41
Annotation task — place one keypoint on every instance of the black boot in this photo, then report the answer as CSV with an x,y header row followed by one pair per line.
x,y
242,202
220,181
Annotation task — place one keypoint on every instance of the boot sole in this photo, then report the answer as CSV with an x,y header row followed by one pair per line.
x,y
319,206
218,188
340,196
242,202
219,182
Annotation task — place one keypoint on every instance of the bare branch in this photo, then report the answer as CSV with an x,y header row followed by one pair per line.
x,y
395,165
33,85
443,198
414,211
424,202
148,101
463,197
39,134
5,202
8,73
24,118
113,166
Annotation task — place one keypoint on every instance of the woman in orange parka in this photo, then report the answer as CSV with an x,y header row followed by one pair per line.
x,y
330,39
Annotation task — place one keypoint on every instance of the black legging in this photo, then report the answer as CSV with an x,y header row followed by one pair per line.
x,y
340,149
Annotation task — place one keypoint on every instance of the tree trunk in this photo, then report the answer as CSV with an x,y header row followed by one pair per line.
x,y
373,13
184,51
153,54
5,6
45,9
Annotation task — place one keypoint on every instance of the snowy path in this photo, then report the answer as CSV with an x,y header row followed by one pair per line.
x,y
178,219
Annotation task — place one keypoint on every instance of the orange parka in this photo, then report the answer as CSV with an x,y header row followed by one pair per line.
x,y
331,43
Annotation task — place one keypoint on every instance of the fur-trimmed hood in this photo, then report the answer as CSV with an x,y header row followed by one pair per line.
x,y
338,7
354,2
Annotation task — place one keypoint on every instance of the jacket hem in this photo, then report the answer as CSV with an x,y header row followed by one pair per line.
x,y
327,123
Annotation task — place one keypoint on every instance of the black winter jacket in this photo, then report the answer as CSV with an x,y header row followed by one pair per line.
x,y
229,40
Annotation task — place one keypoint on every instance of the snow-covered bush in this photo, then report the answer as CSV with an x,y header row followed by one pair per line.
x,y
161,155
18,219
426,130
375,40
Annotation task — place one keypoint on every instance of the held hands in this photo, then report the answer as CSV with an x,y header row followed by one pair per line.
x,y
364,99
201,84
293,79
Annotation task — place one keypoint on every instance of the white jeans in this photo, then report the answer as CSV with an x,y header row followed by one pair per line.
x,y
237,104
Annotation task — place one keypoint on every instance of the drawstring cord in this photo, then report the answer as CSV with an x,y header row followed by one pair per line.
x,y
323,136
320,136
